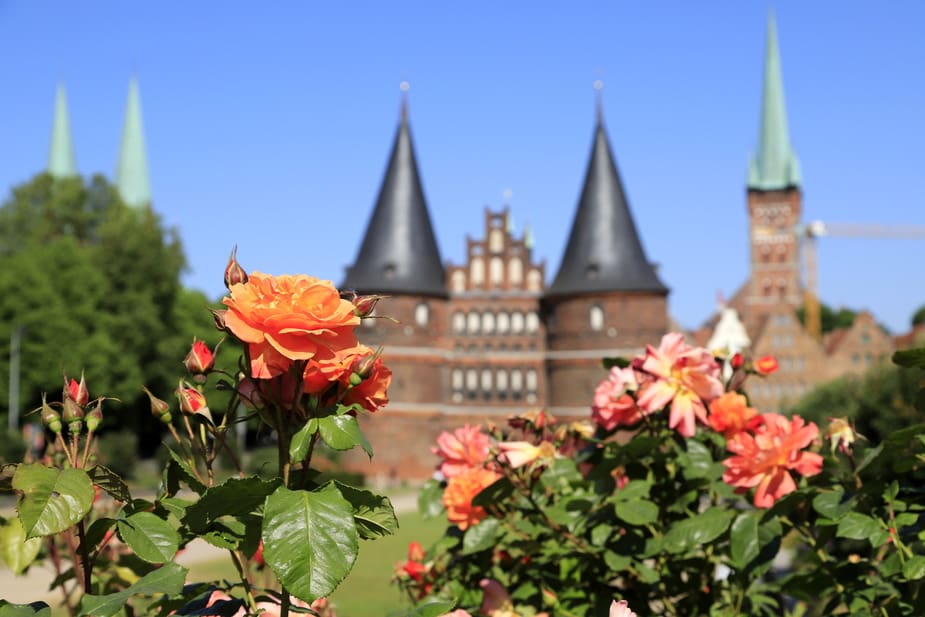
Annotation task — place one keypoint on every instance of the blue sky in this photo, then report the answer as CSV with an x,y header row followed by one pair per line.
x,y
268,125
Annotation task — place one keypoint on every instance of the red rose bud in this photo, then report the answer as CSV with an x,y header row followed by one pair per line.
x,y
159,409
193,402
363,367
200,359
50,417
737,361
76,391
73,414
94,416
765,365
365,305
234,273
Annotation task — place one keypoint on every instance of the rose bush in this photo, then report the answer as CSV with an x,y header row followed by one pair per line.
x,y
291,539
675,497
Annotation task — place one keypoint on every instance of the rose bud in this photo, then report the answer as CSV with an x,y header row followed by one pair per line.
x,y
193,402
94,416
200,359
159,409
365,305
234,273
77,391
363,367
765,365
736,361
219,318
50,417
73,414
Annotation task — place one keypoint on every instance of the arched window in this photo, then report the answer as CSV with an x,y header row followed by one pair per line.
x,y
515,271
488,322
596,317
422,314
504,322
459,322
517,322
459,281
531,380
472,322
496,241
501,381
533,322
517,380
486,380
477,271
472,380
496,271
534,281
457,379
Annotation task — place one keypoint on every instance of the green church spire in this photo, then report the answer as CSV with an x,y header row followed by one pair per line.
x,y
132,168
61,163
775,165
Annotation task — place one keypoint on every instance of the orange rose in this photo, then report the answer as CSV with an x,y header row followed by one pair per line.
x,y
459,493
730,414
287,318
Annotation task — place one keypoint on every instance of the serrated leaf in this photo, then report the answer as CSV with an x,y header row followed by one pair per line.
x,y
309,540
149,536
301,440
696,530
185,472
698,461
233,497
111,482
637,511
914,569
830,504
430,499
343,433
52,500
168,579
481,537
35,609
743,539
17,551
97,531
373,514
856,526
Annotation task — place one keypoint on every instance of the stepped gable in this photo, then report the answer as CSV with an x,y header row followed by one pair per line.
x,y
399,253
604,253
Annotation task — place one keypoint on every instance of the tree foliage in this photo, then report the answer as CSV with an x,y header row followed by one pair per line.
x,y
918,318
95,285
831,319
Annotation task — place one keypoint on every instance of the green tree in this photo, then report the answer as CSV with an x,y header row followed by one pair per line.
x,y
96,285
832,319
918,318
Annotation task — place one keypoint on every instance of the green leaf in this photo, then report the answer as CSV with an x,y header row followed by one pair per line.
x,y
431,609
637,512
634,489
373,514
301,440
910,358
16,550
914,569
97,531
830,505
233,497
494,493
616,562
696,530
181,470
430,499
343,433
151,537
743,539
309,540
52,500
616,361
481,537
111,482
856,526
698,461
168,579
39,609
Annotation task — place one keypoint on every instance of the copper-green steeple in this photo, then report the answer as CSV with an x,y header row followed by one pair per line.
x,y
61,162
132,168
775,165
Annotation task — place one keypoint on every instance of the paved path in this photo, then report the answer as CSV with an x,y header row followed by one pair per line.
x,y
34,585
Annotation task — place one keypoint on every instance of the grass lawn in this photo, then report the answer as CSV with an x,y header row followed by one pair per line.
x,y
367,591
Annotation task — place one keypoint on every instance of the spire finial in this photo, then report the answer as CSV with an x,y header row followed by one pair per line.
x,y
132,167
404,86
61,161
598,102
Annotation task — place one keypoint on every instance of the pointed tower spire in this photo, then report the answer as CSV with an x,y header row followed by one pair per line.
x,y
61,162
399,253
775,165
132,168
604,252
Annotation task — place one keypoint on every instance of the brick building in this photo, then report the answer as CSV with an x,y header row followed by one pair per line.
x,y
487,338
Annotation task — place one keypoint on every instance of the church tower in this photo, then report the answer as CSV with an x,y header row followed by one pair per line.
x,y
61,160
606,298
775,201
132,167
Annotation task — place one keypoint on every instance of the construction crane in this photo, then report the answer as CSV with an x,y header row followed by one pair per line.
x,y
816,229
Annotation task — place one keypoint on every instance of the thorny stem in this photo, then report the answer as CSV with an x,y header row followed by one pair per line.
x,y
248,593
186,450
198,445
67,450
85,563
86,455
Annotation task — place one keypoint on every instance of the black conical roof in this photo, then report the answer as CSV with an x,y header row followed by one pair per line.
x,y
399,254
604,253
